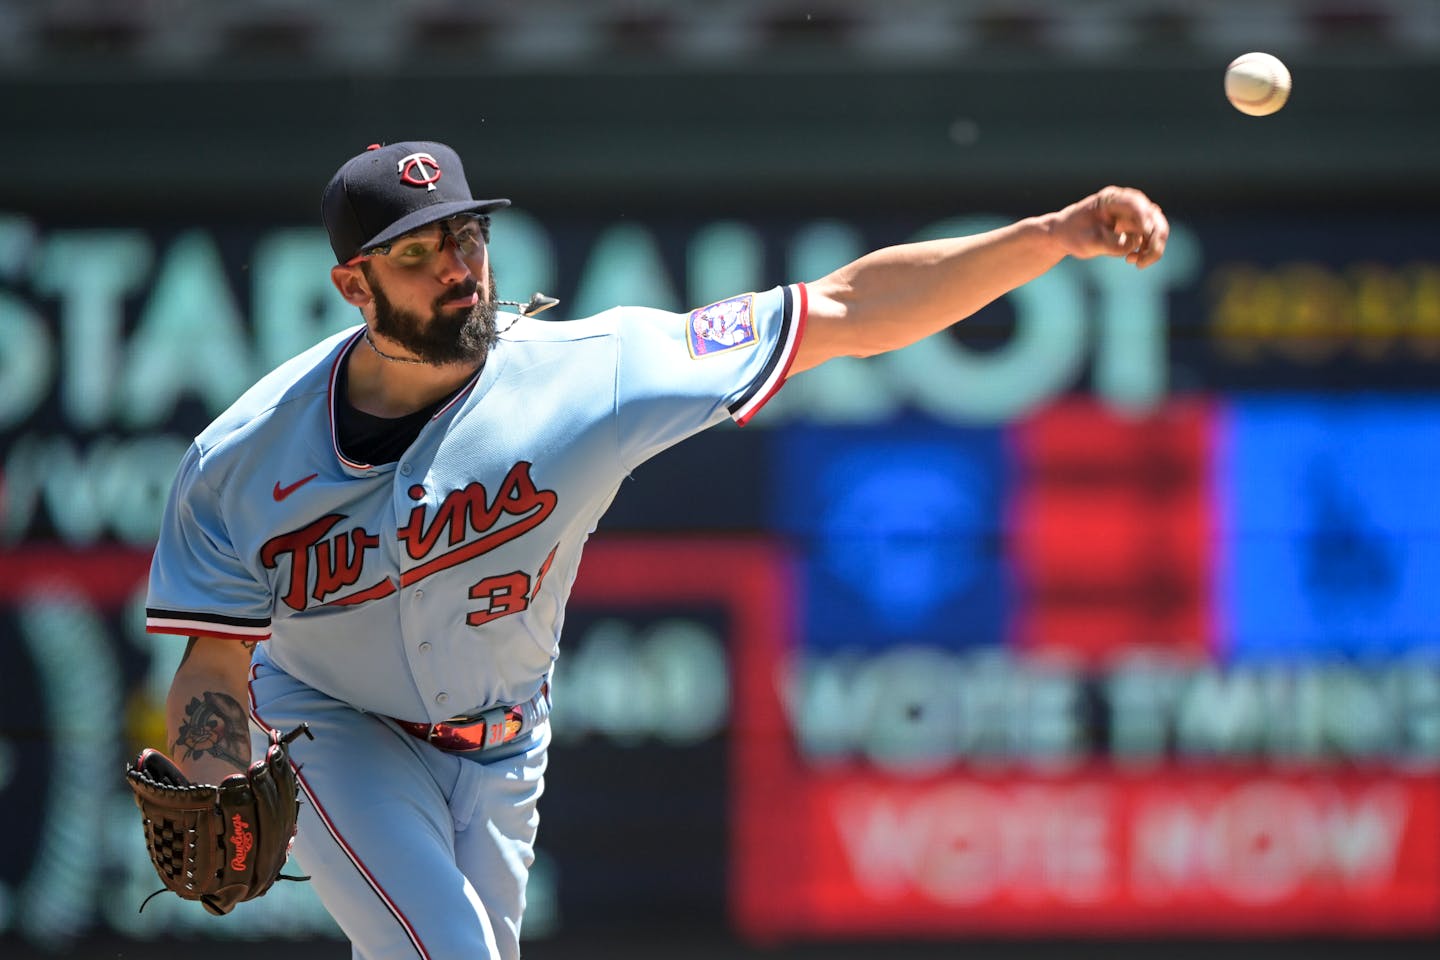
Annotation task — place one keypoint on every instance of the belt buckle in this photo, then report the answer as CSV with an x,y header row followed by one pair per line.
x,y
491,724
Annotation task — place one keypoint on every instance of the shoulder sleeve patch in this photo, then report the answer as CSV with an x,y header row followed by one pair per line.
x,y
726,325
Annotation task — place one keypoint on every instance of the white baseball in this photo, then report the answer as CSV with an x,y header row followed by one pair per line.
x,y
1257,84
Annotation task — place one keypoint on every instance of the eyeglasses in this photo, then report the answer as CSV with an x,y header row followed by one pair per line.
x,y
420,247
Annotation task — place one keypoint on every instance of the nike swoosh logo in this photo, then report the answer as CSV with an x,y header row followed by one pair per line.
x,y
280,493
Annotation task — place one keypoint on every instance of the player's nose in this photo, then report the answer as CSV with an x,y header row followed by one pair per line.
x,y
450,264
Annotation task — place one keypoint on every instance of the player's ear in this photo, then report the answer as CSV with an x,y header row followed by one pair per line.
x,y
351,283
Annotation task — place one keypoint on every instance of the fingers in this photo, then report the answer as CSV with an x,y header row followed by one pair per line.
x,y
1135,224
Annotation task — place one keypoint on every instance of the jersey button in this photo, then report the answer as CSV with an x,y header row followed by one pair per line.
x,y
405,469
442,698
425,648
419,594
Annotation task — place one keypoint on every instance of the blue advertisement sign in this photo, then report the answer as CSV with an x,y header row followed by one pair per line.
x,y
1330,527
900,529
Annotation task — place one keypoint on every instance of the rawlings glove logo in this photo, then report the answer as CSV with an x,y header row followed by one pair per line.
x,y
243,840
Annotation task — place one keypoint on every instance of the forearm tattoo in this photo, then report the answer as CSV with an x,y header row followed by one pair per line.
x,y
215,726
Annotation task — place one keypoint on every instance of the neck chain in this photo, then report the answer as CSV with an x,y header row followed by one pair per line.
x,y
385,356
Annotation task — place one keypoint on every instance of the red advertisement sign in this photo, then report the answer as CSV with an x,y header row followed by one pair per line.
x,y
1112,533
846,849
106,576
1165,853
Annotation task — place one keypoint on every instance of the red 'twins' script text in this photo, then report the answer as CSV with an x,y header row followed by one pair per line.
x,y
441,543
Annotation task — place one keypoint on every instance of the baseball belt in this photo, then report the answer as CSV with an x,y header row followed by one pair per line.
x,y
485,730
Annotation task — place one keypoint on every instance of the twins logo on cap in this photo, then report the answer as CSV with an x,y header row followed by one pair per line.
x,y
419,170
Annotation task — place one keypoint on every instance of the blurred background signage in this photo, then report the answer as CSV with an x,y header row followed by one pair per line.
x,y
1109,614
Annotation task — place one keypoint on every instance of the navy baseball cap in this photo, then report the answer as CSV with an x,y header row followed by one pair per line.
x,y
390,190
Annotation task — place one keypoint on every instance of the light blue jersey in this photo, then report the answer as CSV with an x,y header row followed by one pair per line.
x,y
436,586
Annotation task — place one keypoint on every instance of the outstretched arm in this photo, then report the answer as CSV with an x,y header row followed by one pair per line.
x,y
207,732
897,295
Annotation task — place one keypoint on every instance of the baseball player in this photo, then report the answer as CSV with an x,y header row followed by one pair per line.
x,y
378,539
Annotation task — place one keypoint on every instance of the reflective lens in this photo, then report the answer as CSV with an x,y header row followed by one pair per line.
x,y
420,247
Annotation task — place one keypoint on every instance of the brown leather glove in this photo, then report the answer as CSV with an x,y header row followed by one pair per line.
x,y
221,844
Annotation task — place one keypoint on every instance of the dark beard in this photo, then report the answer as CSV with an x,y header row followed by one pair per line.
x,y
449,336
